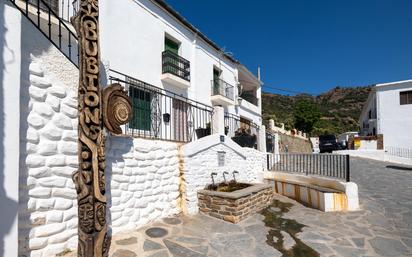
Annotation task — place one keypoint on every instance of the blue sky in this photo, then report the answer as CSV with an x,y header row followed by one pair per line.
x,y
311,45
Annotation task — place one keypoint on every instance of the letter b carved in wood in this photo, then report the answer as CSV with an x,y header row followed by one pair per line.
x,y
115,109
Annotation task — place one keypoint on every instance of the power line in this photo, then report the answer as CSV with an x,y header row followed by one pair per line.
x,y
287,90
243,81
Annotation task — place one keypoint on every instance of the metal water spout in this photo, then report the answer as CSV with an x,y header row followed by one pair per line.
x,y
213,180
233,173
224,177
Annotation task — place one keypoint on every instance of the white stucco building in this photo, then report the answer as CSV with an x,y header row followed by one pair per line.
x,y
182,85
168,52
387,111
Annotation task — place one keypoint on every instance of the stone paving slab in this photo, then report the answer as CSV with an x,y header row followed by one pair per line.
x,y
382,227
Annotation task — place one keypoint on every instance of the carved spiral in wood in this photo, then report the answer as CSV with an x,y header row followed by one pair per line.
x,y
117,108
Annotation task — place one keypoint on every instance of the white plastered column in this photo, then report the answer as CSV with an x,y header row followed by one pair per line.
x,y
218,120
262,139
271,125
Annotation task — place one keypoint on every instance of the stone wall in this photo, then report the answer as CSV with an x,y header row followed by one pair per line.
x,y
201,159
47,211
48,157
48,139
235,206
294,144
142,181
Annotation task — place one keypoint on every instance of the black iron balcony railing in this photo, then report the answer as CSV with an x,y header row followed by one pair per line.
x,y
176,65
250,98
244,134
161,114
48,22
232,124
221,87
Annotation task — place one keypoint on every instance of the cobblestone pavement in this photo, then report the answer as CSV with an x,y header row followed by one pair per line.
x,y
383,226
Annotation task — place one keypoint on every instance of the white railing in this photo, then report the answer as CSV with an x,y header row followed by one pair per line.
x,y
399,152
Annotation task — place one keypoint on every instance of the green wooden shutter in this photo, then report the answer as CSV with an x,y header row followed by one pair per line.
x,y
171,46
141,105
216,77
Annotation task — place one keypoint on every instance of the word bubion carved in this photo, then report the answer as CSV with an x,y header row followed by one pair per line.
x,y
111,108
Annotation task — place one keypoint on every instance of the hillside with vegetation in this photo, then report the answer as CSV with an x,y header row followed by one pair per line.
x,y
339,109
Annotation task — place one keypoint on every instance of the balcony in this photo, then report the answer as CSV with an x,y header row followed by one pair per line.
x,y
250,97
161,114
244,132
175,70
222,93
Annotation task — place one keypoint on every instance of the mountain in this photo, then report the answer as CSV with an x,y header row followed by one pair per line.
x,y
340,108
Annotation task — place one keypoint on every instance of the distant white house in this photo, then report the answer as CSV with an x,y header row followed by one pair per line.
x,y
388,112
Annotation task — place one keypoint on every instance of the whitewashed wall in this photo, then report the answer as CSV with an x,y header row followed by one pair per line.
x,y
10,38
142,25
132,42
48,147
140,54
142,175
48,156
48,213
394,120
143,181
201,159
144,50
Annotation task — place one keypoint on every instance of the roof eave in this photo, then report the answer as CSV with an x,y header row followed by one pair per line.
x,y
186,23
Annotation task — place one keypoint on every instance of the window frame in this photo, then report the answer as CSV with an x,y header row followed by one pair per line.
x,y
405,97
171,41
142,111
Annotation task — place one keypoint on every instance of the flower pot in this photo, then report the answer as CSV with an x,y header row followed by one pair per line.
x,y
202,132
245,140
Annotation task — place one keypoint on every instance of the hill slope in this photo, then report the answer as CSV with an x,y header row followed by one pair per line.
x,y
340,109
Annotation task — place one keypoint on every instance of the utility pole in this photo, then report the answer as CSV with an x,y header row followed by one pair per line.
x,y
109,108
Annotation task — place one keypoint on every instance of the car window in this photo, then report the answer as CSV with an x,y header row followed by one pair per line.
x,y
327,137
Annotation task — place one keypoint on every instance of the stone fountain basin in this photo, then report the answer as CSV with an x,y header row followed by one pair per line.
x,y
237,205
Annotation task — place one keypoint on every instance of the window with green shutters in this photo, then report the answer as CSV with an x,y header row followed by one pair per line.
x,y
141,104
171,46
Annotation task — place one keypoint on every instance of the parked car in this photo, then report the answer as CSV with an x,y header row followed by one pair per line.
x,y
328,143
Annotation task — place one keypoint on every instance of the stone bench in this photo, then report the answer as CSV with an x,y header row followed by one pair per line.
x,y
320,193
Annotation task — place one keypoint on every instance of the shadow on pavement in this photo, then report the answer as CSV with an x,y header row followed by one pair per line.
x,y
398,167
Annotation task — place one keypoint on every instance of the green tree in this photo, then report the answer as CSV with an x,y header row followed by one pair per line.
x,y
306,115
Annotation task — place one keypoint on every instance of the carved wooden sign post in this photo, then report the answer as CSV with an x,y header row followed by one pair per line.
x,y
111,108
